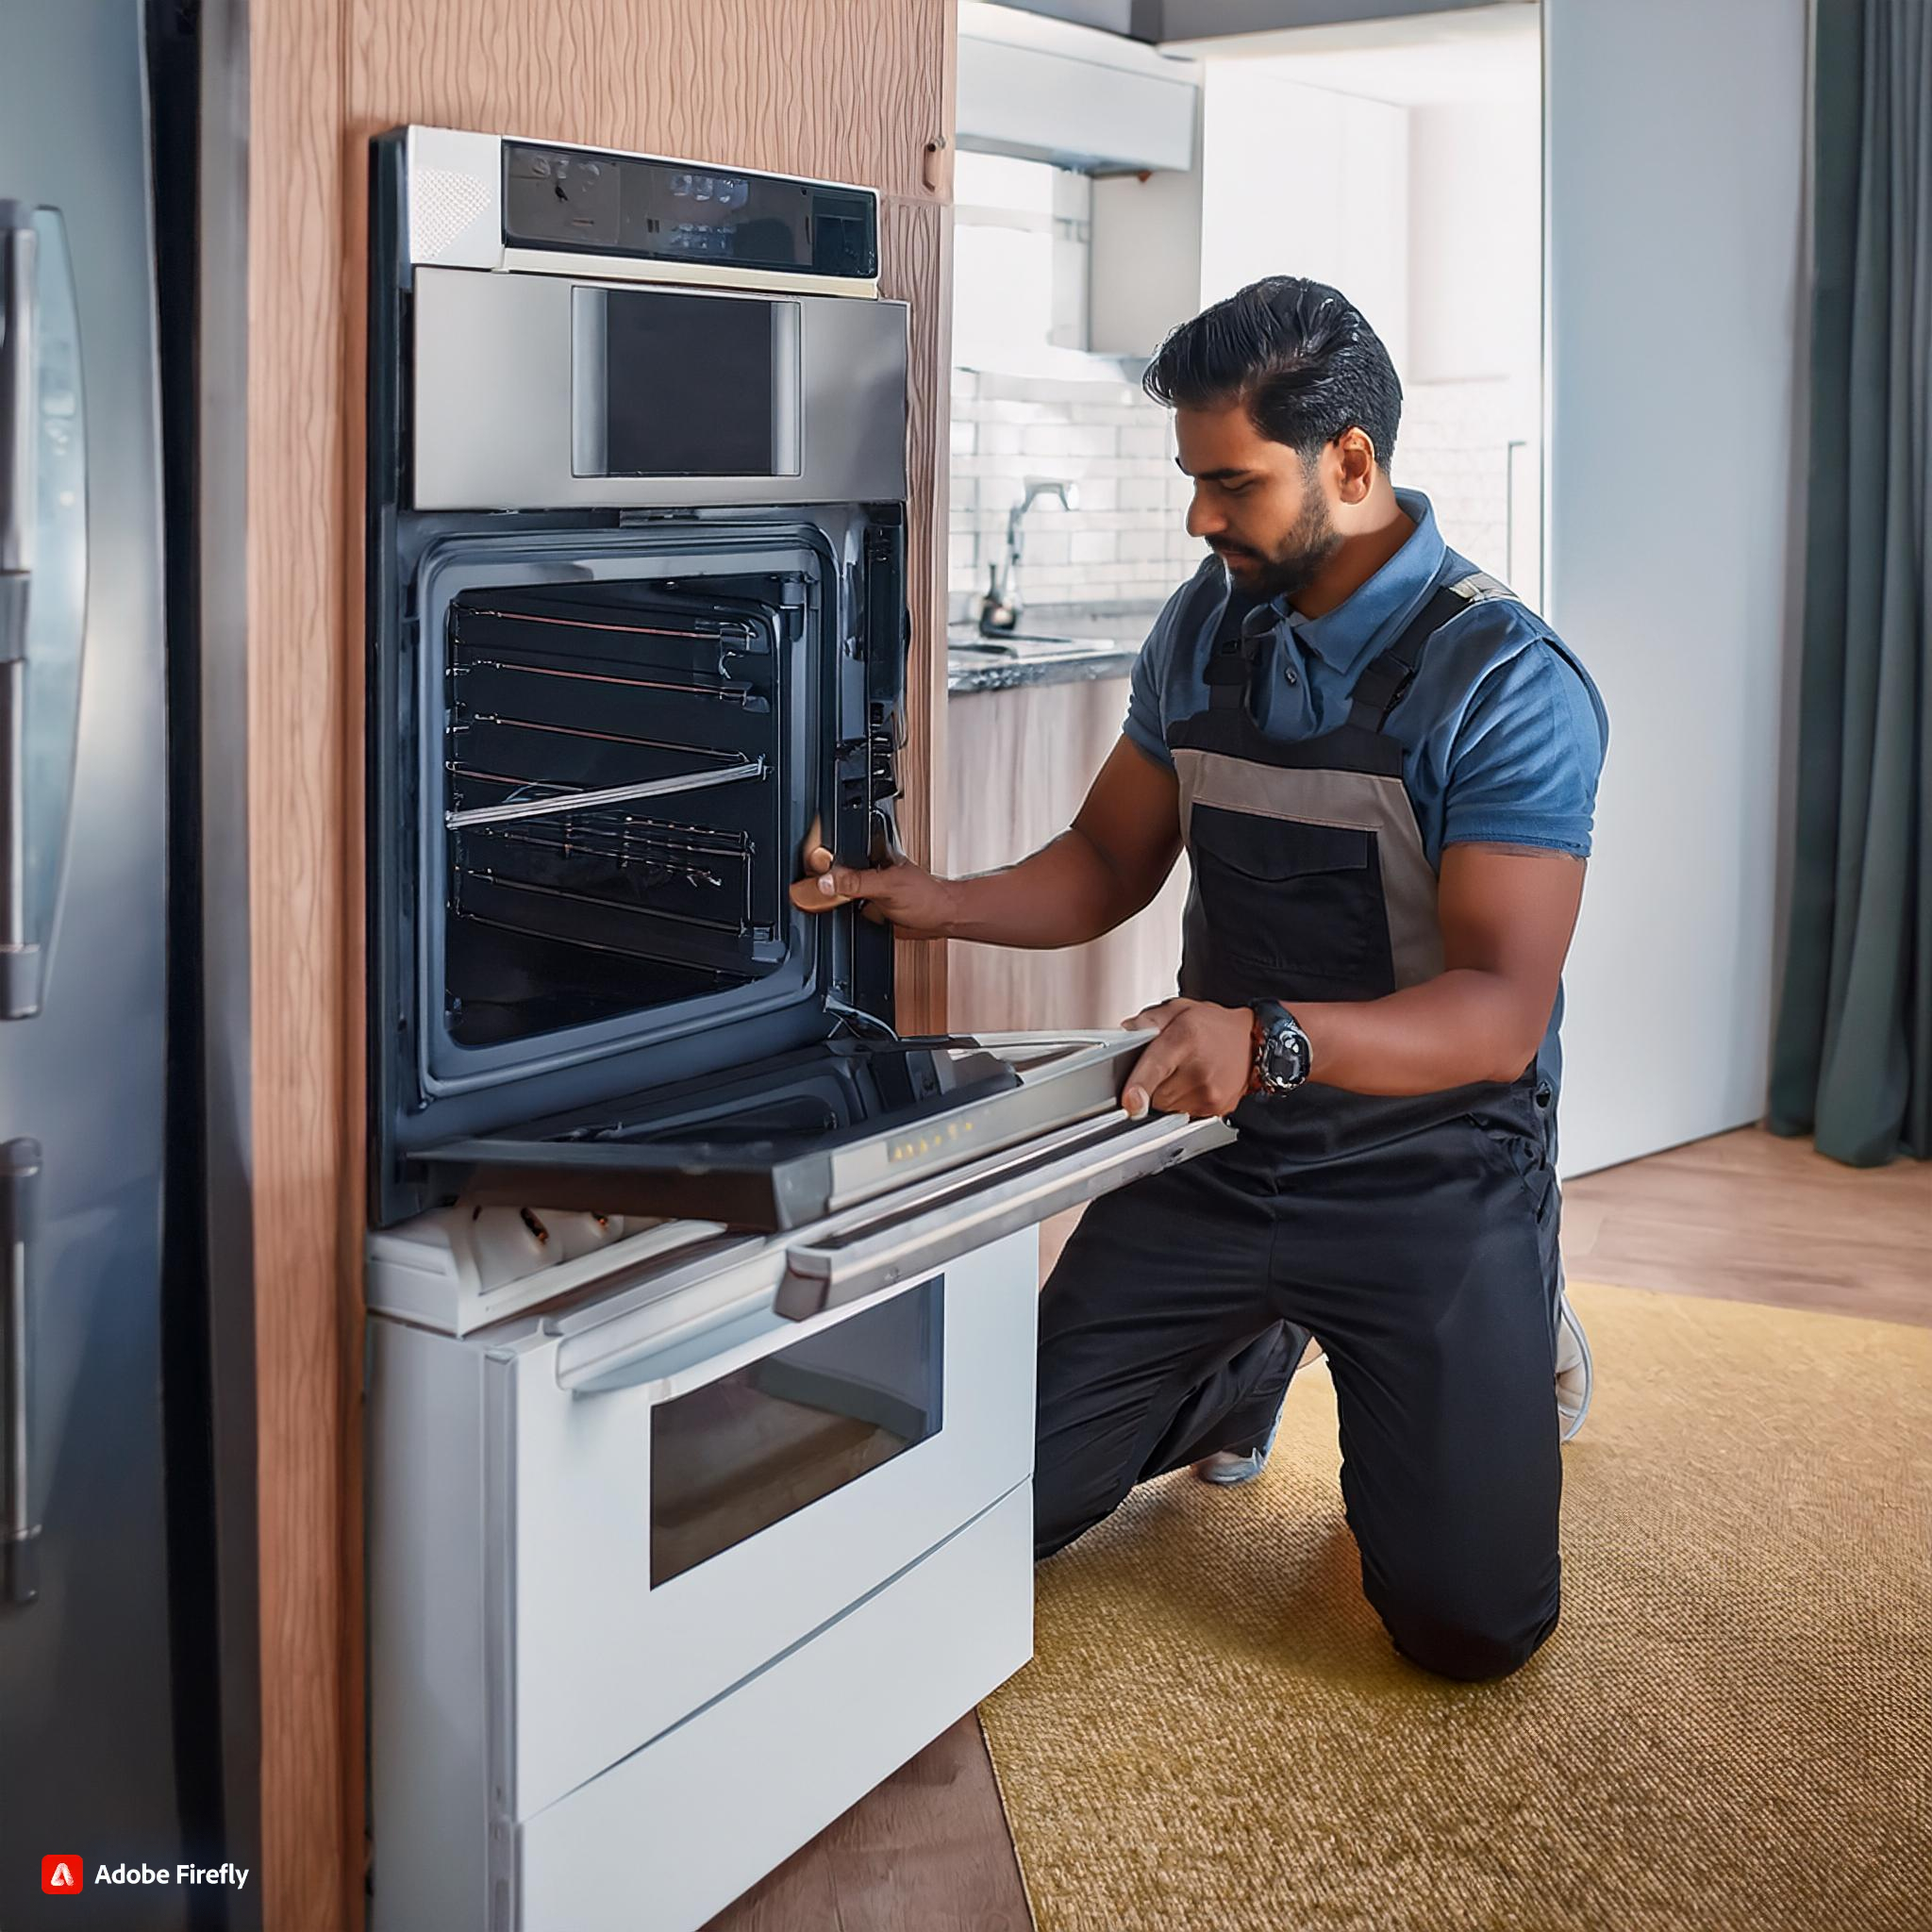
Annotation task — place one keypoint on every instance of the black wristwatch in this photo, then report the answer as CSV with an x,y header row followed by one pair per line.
x,y
1282,1054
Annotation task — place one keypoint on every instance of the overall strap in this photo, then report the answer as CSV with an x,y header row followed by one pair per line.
x,y
1238,640
1379,688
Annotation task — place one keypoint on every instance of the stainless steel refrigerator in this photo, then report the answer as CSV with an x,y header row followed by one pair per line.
x,y
106,1722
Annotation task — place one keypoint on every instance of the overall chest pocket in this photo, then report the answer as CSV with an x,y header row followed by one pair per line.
x,y
1286,907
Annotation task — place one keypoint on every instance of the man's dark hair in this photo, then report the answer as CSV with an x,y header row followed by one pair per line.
x,y
1296,353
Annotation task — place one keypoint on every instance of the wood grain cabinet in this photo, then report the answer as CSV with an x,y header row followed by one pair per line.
x,y
1019,762
852,90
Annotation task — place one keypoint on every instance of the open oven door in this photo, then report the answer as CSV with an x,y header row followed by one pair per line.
x,y
976,1134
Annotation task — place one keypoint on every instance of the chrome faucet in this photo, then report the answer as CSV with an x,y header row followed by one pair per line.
x,y
999,609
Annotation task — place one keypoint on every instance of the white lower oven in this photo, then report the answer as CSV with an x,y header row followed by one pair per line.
x,y
568,1574
670,1569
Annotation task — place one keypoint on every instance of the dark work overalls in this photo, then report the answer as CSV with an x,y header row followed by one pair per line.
x,y
1415,1236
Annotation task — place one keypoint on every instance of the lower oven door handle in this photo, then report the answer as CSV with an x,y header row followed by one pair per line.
x,y
873,1256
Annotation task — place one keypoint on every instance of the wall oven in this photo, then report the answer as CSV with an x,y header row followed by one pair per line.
x,y
700,1369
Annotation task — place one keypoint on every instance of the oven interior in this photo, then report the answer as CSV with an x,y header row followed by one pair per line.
x,y
616,778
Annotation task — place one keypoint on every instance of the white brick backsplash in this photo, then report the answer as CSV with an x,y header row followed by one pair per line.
x,y
1021,413
1000,387
1127,541
1147,439
1113,415
1047,440
991,468
1129,537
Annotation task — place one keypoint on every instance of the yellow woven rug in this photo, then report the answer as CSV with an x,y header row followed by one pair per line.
x,y
1731,1730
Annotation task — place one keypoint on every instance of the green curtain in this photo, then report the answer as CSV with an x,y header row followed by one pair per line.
x,y
1852,1061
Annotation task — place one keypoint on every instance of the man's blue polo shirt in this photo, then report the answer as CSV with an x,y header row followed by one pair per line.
x,y
1503,733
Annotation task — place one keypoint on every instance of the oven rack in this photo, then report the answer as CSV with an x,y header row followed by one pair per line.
x,y
611,858
702,630
466,660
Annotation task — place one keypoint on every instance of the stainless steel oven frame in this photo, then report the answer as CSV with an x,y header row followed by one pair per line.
x,y
477,396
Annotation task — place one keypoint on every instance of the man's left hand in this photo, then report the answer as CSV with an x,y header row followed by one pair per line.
x,y
1198,1064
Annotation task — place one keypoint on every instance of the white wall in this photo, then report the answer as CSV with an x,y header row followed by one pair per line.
x,y
1145,266
1476,240
1674,197
1299,180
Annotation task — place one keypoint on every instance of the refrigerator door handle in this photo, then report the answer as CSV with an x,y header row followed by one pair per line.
x,y
20,1528
19,245
19,514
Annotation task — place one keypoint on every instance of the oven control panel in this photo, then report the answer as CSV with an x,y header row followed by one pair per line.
x,y
504,203
678,211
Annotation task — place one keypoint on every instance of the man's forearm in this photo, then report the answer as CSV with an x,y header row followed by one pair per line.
x,y
1064,895
1457,1029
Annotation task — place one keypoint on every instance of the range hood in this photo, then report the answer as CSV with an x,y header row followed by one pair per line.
x,y
1052,91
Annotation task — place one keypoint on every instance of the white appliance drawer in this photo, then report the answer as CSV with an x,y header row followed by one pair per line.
x,y
560,1569
601,1648
669,1837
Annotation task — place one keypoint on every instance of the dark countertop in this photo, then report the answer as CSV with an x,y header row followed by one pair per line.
x,y
1055,646
970,670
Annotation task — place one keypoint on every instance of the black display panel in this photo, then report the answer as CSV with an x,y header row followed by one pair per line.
x,y
673,211
692,384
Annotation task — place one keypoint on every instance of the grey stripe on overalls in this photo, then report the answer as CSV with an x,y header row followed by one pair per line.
x,y
1359,801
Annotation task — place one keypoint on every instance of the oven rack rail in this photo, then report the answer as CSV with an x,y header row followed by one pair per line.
x,y
547,800
466,660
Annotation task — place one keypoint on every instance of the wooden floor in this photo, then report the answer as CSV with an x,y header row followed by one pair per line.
x,y
1744,1216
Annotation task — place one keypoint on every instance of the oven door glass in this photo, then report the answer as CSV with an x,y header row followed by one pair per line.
x,y
738,1455
616,774
790,1140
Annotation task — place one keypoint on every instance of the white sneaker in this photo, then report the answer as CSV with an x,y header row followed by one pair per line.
x,y
1226,1467
1574,1375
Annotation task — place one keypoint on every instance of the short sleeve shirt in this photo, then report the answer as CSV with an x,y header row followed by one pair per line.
x,y
1502,731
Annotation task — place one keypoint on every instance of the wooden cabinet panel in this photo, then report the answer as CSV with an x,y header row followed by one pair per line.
x,y
854,89
1019,763
302,710
851,90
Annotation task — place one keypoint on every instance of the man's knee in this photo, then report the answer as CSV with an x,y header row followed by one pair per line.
x,y
1468,1635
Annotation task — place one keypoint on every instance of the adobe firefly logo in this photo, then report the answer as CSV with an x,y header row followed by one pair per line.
x,y
61,1873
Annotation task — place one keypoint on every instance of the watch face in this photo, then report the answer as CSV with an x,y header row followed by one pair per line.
x,y
1282,1061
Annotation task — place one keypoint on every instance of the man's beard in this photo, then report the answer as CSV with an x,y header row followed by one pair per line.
x,y
1295,564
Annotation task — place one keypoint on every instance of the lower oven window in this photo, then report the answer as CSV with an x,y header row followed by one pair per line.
x,y
614,800
754,1447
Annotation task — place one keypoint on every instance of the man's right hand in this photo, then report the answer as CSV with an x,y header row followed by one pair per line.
x,y
903,896
1104,868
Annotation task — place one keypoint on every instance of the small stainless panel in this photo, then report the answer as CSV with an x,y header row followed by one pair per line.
x,y
502,398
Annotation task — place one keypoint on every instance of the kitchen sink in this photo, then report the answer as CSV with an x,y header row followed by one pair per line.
x,y
1074,633
1025,644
